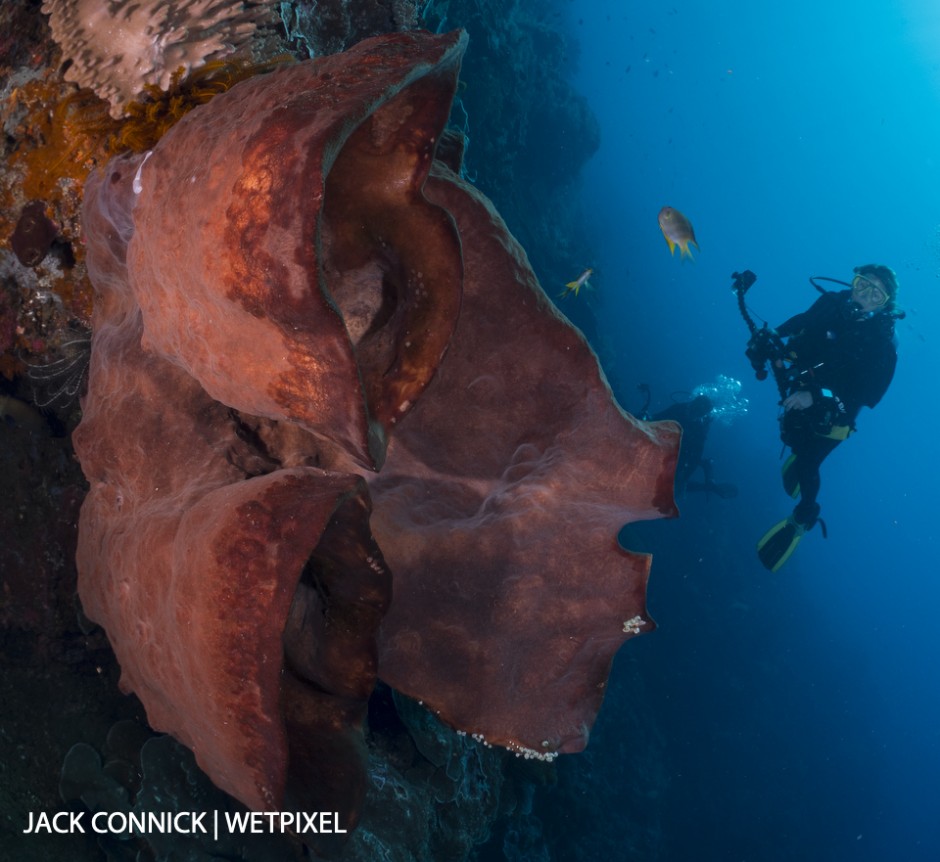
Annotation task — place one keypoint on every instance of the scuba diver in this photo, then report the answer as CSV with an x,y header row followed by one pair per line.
x,y
719,400
839,356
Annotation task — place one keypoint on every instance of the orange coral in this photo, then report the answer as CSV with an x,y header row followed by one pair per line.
x,y
148,118
64,137
59,136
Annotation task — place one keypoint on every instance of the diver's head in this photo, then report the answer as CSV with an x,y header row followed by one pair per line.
x,y
875,287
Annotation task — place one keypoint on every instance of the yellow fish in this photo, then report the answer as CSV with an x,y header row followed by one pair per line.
x,y
678,231
578,283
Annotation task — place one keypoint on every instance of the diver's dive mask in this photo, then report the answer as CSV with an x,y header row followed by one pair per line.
x,y
864,286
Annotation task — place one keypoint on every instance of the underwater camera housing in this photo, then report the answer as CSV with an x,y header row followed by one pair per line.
x,y
765,346
742,281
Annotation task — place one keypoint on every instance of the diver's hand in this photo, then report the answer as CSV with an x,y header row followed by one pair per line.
x,y
798,400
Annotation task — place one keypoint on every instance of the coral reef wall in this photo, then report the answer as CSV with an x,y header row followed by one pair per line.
x,y
529,131
115,47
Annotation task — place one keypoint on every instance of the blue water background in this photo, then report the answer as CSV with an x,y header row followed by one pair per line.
x,y
798,711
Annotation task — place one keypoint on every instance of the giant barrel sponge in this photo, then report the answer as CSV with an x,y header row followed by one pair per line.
x,y
334,430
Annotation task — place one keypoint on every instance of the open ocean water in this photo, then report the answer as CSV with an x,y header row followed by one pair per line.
x,y
798,711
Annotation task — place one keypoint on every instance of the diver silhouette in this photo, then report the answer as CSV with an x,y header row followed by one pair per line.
x,y
696,416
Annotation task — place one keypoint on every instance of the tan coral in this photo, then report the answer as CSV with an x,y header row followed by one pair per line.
x,y
117,47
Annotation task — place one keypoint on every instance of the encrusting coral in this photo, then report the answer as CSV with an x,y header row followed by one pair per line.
x,y
117,47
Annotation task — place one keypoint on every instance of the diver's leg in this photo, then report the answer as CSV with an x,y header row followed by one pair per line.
x,y
810,453
801,477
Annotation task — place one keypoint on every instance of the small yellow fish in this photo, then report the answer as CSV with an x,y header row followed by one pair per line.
x,y
678,231
578,283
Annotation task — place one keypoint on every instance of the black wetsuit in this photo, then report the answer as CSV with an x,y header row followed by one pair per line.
x,y
846,360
